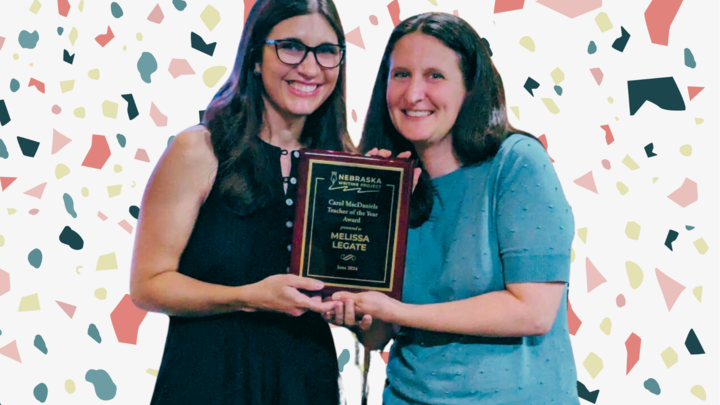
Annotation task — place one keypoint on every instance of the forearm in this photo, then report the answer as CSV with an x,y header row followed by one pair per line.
x,y
498,314
176,294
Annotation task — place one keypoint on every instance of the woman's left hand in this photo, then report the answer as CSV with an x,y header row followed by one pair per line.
x,y
376,305
344,315
404,155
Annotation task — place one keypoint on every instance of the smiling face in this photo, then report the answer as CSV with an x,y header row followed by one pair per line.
x,y
298,90
425,89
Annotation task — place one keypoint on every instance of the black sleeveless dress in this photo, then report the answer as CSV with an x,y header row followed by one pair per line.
x,y
246,358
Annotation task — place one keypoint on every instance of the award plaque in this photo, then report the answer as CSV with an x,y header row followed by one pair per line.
x,y
351,221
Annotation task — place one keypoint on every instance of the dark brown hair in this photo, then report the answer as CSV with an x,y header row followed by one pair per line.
x,y
235,115
481,125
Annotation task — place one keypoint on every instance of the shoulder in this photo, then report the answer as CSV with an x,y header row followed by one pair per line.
x,y
190,158
521,148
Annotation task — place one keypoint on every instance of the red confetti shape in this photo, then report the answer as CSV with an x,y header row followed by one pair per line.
x,y
543,140
693,91
67,308
38,85
98,154
573,321
248,7
126,319
608,134
5,182
659,16
103,39
394,9
385,356
63,7
502,6
632,345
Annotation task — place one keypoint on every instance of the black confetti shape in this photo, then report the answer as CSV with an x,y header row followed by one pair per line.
x,y
28,147
671,237
134,211
67,57
662,92
621,42
585,394
132,107
71,238
199,44
531,85
693,343
4,115
649,150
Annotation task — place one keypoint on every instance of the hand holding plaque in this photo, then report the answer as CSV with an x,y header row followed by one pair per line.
x,y
351,221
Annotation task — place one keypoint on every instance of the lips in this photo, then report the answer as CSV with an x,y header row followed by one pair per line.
x,y
304,89
417,113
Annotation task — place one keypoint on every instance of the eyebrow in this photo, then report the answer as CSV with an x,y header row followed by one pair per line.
x,y
293,39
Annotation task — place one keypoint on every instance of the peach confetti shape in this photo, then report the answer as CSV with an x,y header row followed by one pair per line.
x,y
594,278
59,142
670,288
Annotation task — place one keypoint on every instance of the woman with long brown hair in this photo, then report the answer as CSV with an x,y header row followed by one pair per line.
x,y
214,234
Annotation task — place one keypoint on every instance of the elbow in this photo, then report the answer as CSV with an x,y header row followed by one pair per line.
x,y
541,324
140,297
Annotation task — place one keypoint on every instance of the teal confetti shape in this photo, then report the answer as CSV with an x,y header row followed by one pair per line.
x,y
41,392
147,65
60,30
105,388
343,359
14,85
3,150
170,140
69,205
651,385
35,258
94,333
28,40
592,48
558,90
116,10
121,140
179,5
40,344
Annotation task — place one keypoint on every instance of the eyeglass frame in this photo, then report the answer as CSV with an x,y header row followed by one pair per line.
x,y
308,49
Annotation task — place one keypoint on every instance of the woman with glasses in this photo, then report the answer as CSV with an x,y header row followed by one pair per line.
x,y
214,234
483,317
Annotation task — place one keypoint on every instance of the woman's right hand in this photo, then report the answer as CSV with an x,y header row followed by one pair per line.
x,y
279,293
403,155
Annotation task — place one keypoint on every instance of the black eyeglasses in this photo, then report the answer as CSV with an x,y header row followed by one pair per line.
x,y
293,52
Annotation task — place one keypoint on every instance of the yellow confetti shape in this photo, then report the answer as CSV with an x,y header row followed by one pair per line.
x,y
16,56
698,121
362,368
2,241
61,171
85,192
699,392
69,386
623,189
73,36
593,364
67,85
124,47
603,22
11,211
94,74
29,303
101,293
107,262
35,7
31,65
139,36
210,16
152,372
81,5
686,150
635,274
582,234
516,111
114,191
550,104
632,230
213,75
630,163
557,75
669,357
572,255
527,43
617,119
606,326
110,109
610,100
655,179
433,2
117,168
701,246
79,112
697,292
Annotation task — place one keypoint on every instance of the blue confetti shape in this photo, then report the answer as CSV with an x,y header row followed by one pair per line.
x,y
41,392
40,344
35,258
105,388
28,40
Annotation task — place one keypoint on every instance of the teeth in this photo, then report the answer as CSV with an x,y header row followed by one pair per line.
x,y
418,113
304,88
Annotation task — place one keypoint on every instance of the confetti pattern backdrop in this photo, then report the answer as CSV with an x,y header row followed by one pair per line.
x,y
624,94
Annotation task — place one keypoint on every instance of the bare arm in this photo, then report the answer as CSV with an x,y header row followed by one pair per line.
x,y
177,188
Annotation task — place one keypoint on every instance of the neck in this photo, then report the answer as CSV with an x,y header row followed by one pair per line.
x,y
438,159
281,130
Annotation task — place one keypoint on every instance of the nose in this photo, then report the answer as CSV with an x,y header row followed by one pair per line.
x,y
309,67
415,91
